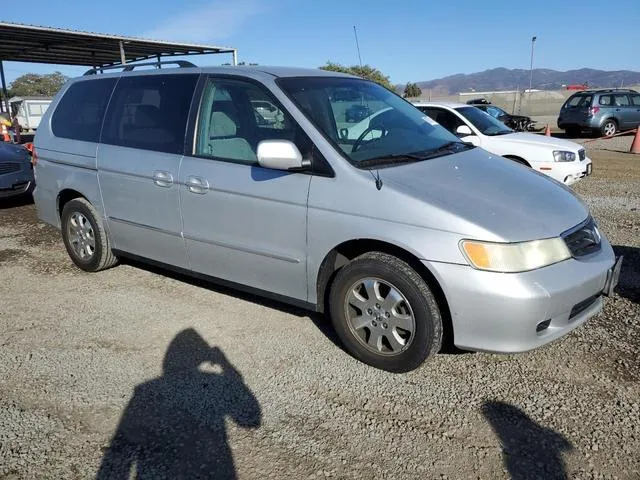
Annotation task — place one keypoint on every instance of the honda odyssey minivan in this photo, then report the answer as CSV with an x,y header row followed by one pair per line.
x,y
405,236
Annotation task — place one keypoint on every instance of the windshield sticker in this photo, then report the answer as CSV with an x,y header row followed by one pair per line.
x,y
429,120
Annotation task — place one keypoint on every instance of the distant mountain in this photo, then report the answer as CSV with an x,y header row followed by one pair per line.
x,y
545,79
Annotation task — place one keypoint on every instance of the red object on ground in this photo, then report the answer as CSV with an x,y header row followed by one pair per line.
x,y
635,146
576,87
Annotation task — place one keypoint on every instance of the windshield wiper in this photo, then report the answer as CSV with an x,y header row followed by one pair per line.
x,y
391,159
446,149
394,159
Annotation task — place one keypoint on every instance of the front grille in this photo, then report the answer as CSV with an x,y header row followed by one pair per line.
x,y
583,239
578,308
582,154
9,167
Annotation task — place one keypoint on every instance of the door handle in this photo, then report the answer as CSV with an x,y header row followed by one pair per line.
x,y
197,185
162,179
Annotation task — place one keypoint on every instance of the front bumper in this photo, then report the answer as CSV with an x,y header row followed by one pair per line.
x,y
511,313
566,172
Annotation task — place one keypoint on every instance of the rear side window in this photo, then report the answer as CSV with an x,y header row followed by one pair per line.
x,y
606,100
635,100
150,112
80,112
579,101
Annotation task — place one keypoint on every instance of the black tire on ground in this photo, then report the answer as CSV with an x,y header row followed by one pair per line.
x,y
428,331
572,132
102,256
607,125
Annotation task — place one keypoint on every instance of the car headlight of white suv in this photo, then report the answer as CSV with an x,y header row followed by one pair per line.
x,y
515,257
563,156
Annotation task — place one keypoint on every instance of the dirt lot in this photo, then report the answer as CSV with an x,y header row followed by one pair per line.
x,y
136,371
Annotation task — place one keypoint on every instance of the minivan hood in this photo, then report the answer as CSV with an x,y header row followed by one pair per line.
x,y
504,200
525,138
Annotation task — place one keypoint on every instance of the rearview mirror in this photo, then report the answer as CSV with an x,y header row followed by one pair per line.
x,y
280,155
463,131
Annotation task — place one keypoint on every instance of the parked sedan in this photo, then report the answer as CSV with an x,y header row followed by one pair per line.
x,y
562,160
519,123
16,171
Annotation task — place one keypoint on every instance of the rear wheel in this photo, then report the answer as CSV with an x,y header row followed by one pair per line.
x,y
608,128
384,313
84,236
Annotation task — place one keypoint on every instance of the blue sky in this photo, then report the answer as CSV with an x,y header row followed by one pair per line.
x,y
409,40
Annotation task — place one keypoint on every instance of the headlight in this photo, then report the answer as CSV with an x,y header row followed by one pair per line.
x,y
514,257
562,156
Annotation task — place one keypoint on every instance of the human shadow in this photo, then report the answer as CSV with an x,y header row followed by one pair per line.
x,y
629,282
529,451
174,425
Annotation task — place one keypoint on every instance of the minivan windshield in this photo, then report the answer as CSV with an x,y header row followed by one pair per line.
x,y
484,122
393,132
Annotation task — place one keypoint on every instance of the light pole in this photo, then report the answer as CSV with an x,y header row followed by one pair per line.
x,y
533,41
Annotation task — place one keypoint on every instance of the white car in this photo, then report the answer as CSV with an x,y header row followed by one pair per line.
x,y
562,160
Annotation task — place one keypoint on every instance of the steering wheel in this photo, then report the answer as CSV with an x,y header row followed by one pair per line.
x,y
368,130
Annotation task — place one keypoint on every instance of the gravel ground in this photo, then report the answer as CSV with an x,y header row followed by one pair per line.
x,y
136,370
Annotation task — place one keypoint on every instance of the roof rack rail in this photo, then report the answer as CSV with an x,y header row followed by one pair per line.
x,y
130,67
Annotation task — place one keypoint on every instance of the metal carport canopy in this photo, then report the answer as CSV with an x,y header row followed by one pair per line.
x,y
35,44
29,43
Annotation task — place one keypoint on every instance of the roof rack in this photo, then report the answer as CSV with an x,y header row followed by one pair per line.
x,y
601,90
130,67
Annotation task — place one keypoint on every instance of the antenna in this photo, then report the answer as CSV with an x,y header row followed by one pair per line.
x,y
355,33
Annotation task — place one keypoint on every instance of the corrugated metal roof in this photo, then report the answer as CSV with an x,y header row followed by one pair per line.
x,y
31,43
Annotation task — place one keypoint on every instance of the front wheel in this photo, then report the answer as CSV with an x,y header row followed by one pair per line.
x,y
384,313
84,236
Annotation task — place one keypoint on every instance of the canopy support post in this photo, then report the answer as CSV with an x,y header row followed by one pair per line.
x,y
4,89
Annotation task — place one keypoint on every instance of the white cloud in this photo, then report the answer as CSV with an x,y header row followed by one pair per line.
x,y
216,20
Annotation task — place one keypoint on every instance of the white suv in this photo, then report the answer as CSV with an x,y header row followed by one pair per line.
x,y
562,160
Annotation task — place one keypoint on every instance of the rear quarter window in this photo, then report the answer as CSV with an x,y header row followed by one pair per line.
x,y
80,112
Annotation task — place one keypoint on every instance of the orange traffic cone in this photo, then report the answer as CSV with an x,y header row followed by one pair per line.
x,y
635,146
5,134
547,131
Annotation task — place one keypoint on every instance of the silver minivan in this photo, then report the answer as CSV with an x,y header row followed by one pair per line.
x,y
407,237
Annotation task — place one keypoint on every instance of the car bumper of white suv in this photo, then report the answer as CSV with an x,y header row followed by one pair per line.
x,y
517,312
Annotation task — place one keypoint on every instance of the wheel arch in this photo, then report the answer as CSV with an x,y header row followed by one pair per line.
x,y
343,253
518,159
65,196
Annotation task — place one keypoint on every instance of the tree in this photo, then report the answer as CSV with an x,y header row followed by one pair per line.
x,y
33,84
412,90
366,71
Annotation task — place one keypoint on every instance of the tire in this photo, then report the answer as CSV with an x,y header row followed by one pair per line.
x,y
85,238
609,127
572,132
379,338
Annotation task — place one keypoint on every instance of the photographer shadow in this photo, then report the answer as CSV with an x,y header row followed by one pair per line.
x,y
529,451
174,425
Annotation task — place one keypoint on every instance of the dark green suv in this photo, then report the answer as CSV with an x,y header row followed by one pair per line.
x,y
604,112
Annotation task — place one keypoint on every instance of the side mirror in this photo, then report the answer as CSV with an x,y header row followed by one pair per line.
x,y
463,131
280,155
